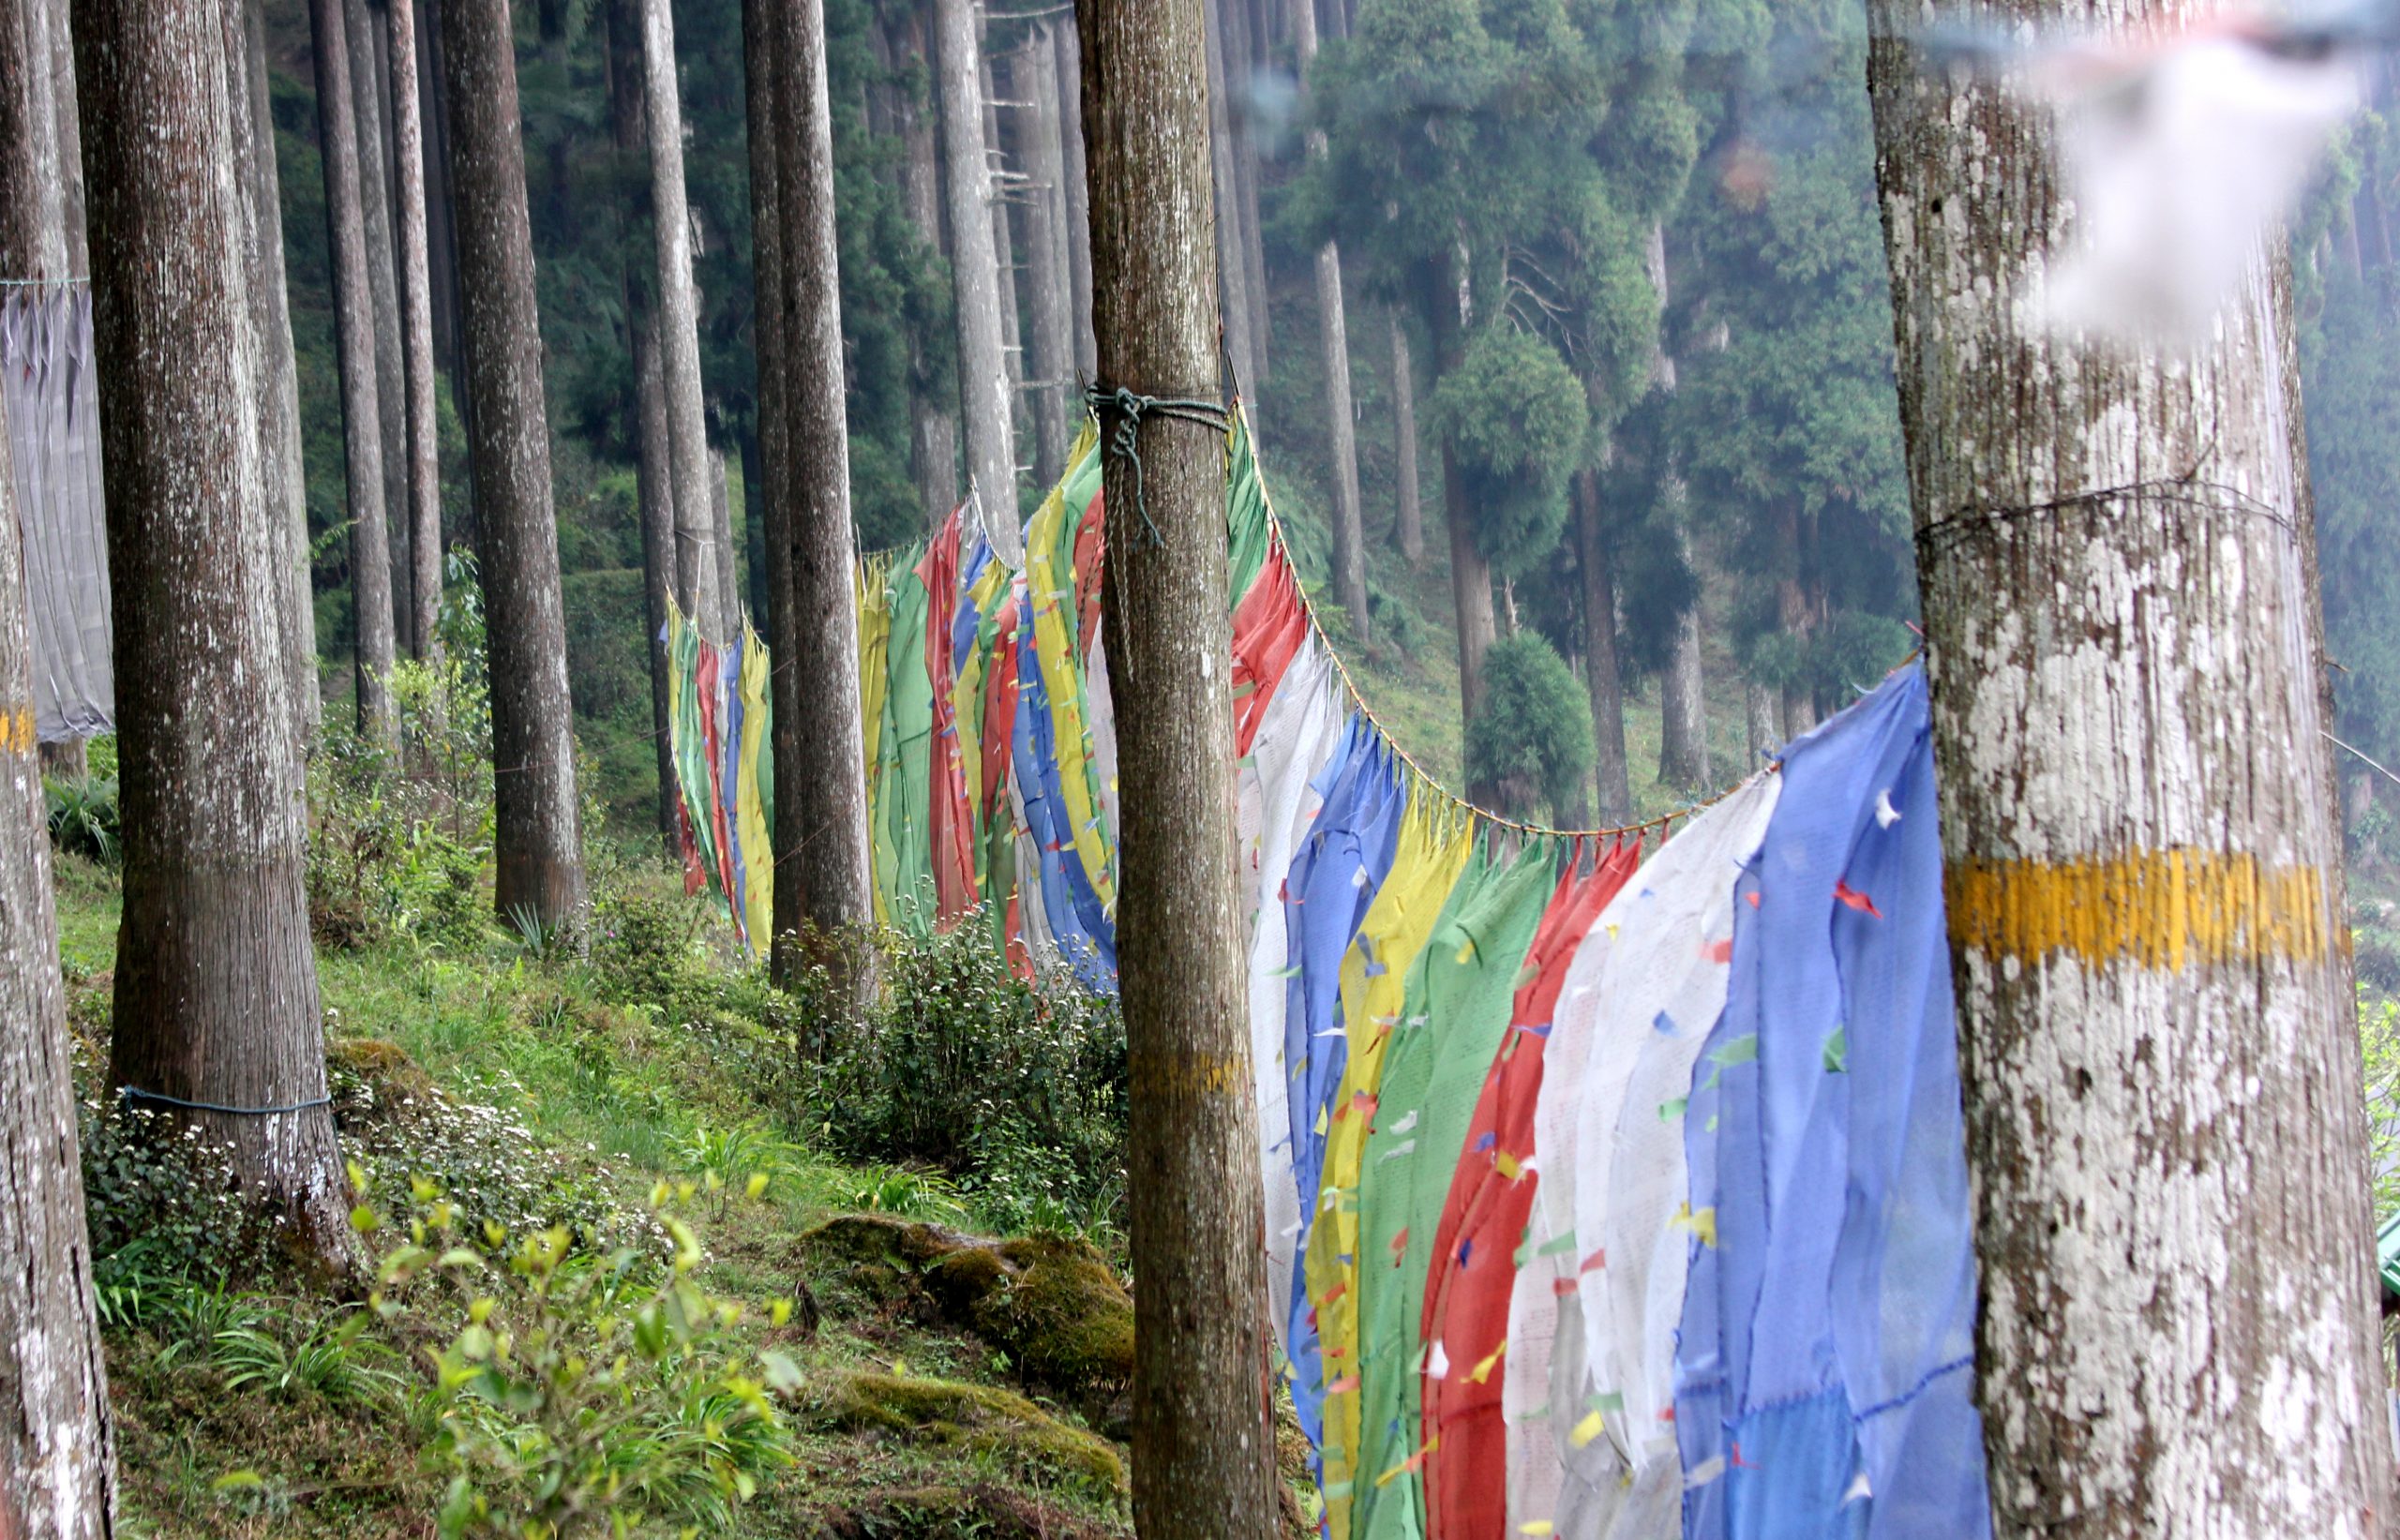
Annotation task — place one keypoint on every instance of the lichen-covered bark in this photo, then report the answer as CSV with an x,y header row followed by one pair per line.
x,y
933,401
57,1459
539,842
975,275
824,836
1408,522
1333,346
279,402
215,980
1071,140
370,555
424,480
1600,671
697,555
71,138
1203,1452
2162,1079
1033,81
369,86
20,172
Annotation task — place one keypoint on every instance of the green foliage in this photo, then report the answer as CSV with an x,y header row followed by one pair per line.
x,y
1019,1090
82,813
163,1206
1516,417
2379,1043
326,1358
389,855
1532,738
575,1394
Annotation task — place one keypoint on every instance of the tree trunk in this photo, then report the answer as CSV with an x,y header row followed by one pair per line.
x,y
696,554
2156,1027
416,334
1003,242
57,1455
1232,271
1603,673
728,574
1203,1403
932,404
215,980
538,841
1478,621
1408,528
761,77
70,139
21,222
1763,721
1071,137
280,395
1241,65
1683,701
442,237
1341,417
1033,79
370,555
821,819
368,89
983,371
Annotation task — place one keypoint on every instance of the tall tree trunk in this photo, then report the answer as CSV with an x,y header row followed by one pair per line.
x,y
1340,416
1683,701
368,91
821,822
1003,240
1232,272
983,371
1408,527
70,139
280,395
538,838
370,555
2155,1020
442,237
1071,138
216,979
57,1455
1602,674
1761,721
1470,572
1033,79
932,403
762,73
696,554
728,574
424,502
1242,61
21,224
1203,1403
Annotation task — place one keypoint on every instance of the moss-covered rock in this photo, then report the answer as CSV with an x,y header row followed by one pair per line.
x,y
978,1420
373,1080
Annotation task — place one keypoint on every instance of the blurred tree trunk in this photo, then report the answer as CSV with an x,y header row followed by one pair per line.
x,y
697,555
538,838
71,138
371,554
2156,1023
1470,574
1683,699
279,396
1341,417
1033,79
933,401
57,1459
1231,269
424,502
1071,136
1242,61
1601,671
729,576
1203,1400
1408,528
820,807
983,371
367,92
1003,242
216,998
1763,721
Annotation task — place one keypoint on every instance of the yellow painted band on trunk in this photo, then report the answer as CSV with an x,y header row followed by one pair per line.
x,y
2163,909
17,730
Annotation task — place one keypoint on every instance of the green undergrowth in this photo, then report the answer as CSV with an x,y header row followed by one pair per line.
x,y
638,1149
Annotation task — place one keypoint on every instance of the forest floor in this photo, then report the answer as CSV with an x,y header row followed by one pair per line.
x,y
948,1385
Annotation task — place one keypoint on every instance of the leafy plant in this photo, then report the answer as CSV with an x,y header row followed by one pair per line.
x,y
1532,738
83,816
329,1359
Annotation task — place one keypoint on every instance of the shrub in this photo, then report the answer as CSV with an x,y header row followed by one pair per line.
x,y
1532,738
163,1206
83,816
389,856
1018,1090
1517,417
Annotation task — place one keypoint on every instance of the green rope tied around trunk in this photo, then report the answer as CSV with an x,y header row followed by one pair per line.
x,y
1125,441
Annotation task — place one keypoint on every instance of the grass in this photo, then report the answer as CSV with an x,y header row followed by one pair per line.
x,y
241,1427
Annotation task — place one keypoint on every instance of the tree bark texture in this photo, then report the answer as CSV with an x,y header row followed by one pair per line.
x,y
57,1454
370,555
1682,700
38,85
1601,671
697,558
2156,1036
932,404
1761,721
1333,345
1232,281
975,276
538,841
1408,523
368,90
279,400
1203,1406
1242,62
71,138
21,225
423,480
1033,81
824,835
1071,139
215,978
728,598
